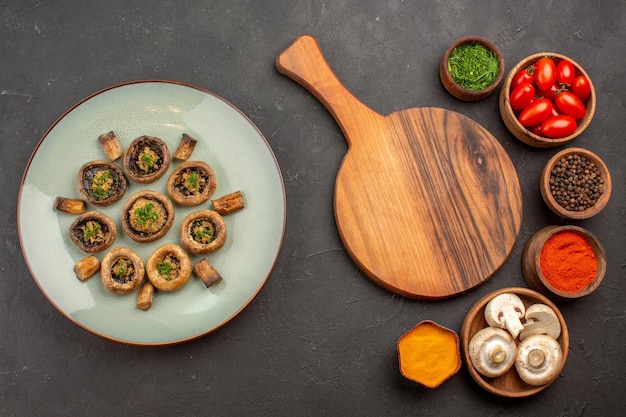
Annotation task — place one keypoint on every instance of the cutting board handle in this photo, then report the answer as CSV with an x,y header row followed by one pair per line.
x,y
304,62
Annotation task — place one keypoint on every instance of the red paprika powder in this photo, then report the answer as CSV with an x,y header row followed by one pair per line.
x,y
568,262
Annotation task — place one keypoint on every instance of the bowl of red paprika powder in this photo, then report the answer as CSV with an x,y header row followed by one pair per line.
x,y
563,262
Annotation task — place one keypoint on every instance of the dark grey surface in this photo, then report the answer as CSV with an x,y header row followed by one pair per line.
x,y
320,338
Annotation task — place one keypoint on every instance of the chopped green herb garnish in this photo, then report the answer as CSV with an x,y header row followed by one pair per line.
x,y
193,180
164,268
91,229
146,214
147,159
120,272
203,234
473,66
101,184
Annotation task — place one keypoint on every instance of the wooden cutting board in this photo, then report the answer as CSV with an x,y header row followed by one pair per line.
x,y
427,202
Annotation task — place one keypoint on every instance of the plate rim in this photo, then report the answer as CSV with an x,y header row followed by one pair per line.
x,y
63,116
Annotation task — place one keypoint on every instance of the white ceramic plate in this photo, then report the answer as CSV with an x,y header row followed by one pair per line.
x,y
227,140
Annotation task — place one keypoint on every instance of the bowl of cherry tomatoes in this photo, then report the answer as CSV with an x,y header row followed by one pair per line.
x,y
547,100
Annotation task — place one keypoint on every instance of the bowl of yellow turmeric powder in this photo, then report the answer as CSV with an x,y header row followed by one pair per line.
x,y
429,354
563,262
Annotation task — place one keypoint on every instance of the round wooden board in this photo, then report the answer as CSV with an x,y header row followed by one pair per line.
x,y
427,202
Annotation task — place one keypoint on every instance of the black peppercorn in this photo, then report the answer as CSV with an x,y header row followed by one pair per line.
x,y
575,182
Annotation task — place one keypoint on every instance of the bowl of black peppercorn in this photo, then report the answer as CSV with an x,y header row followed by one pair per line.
x,y
576,184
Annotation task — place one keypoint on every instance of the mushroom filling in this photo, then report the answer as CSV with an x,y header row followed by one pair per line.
x,y
203,231
169,267
101,183
123,270
190,182
147,216
91,232
146,158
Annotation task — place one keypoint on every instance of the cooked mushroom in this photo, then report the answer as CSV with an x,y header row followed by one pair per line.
x,y
192,183
93,231
186,147
101,182
540,319
169,267
504,311
86,267
147,216
492,351
539,359
111,145
146,159
70,205
121,270
207,273
203,231
144,297
228,203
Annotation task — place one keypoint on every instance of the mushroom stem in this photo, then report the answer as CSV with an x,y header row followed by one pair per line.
x,y
536,357
511,320
498,355
504,311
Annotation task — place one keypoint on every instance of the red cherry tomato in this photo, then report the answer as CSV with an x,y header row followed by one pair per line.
x,y
569,103
545,73
523,76
550,93
522,96
558,126
565,72
538,111
536,130
581,87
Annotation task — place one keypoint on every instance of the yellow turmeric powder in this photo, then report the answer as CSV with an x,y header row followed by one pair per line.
x,y
429,354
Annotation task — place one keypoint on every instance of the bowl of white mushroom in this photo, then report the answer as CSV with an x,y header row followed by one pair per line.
x,y
514,342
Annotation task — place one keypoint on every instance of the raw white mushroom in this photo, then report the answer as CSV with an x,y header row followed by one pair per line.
x,y
504,311
492,351
538,360
540,319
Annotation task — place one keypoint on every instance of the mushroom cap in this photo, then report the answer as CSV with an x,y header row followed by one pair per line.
x,y
204,193
186,233
150,236
492,351
539,359
85,180
110,282
132,153
164,282
540,319
504,311
106,226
